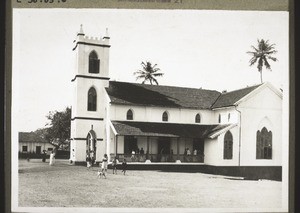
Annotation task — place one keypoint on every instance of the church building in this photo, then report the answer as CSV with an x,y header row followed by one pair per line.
x,y
153,123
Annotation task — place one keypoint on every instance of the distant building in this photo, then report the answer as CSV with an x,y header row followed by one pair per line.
x,y
30,142
241,128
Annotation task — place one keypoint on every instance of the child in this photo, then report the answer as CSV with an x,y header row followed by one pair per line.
x,y
104,164
124,166
88,161
101,172
114,165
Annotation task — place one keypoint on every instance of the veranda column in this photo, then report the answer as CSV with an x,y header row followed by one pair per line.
x,y
178,149
147,152
116,145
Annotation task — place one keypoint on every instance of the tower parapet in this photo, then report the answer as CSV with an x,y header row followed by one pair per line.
x,y
91,40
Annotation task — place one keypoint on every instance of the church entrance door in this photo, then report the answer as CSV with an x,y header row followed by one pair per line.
x,y
163,149
91,145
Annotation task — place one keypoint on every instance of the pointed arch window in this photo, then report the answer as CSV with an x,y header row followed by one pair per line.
x,y
228,117
264,144
198,118
129,115
219,118
92,99
228,142
165,116
94,62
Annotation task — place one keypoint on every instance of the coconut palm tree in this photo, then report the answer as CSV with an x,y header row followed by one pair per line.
x,y
261,54
148,73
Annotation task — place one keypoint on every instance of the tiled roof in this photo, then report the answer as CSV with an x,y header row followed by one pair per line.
x,y
169,96
164,129
163,96
229,98
30,137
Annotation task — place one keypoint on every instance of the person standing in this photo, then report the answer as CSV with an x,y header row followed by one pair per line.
x,y
114,165
104,164
195,152
184,155
124,166
188,153
142,152
88,161
44,156
133,156
171,156
52,159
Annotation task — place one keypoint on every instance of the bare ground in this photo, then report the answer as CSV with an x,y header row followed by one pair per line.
x,y
63,185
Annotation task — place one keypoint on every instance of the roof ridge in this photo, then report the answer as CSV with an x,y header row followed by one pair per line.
x,y
149,85
230,98
215,101
256,85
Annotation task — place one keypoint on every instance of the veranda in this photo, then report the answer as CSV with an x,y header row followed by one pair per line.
x,y
158,149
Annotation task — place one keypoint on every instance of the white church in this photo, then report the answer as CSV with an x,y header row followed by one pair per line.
x,y
240,130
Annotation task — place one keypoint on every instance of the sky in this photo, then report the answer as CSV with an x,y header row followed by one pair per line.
x,y
193,48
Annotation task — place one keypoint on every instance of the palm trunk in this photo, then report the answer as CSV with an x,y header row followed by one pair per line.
x,y
261,79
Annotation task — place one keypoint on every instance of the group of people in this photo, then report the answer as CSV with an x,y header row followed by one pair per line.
x,y
188,152
90,160
188,155
137,154
104,163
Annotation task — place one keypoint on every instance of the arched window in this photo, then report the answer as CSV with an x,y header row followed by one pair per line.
x,y
129,115
165,116
219,119
92,99
198,118
228,145
264,144
94,62
228,117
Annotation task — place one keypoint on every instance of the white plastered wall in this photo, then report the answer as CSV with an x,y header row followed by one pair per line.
x,y
214,150
154,114
263,109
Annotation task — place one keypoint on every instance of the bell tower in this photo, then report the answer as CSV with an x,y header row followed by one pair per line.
x,y
91,76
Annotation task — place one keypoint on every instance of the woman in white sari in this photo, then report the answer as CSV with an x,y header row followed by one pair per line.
x,y
52,159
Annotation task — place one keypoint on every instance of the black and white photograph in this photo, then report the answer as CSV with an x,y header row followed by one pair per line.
x,y
148,110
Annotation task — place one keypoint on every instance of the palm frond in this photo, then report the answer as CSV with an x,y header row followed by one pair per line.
x,y
271,52
155,81
252,53
144,65
253,60
158,74
255,48
260,64
150,81
270,47
140,76
139,72
156,69
272,58
266,63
